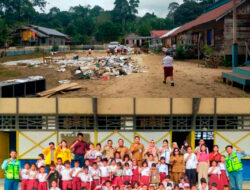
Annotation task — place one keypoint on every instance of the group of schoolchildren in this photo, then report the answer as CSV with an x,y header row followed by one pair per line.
x,y
115,173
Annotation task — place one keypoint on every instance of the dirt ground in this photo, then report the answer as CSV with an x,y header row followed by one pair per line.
x,y
190,80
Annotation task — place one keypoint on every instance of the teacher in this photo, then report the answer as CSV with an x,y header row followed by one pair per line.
x,y
79,148
12,167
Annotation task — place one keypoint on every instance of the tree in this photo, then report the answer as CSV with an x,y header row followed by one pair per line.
x,y
133,7
172,8
96,11
121,11
3,33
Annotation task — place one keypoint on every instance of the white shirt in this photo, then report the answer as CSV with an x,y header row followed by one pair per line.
x,y
112,168
145,171
31,174
98,153
58,167
166,184
168,61
23,174
183,186
96,172
75,171
40,163
57,188
105,188
222,166
150,163
199,188
104,170
162,168
191,162
85,177
65,173
166,154
41,177
127,172
92,156
216,170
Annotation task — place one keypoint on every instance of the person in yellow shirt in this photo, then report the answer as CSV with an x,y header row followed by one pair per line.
x,y
62,151
49,154
137,150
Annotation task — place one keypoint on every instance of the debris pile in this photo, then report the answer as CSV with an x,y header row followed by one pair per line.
x,y
95,68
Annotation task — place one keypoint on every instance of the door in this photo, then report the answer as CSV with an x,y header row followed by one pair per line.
x,y
4,147
180,137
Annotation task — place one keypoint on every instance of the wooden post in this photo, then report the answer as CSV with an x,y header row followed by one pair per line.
x,y
235,45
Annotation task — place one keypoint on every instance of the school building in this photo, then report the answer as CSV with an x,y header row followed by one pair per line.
x,y
29,124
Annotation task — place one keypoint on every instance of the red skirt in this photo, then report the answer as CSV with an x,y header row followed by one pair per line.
x,y
214,178
162,176
135,178
24,184
117,181
42,186
76,183
223,179
104,179
168,71
32,183
126,178
66,185
86,185
145,180
95,183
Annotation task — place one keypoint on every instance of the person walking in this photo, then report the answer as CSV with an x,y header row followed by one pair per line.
x,y
12,168
79,148
137,150
168,68
234,166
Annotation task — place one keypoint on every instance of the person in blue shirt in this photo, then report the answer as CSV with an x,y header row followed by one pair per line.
x,y
234,167
12,168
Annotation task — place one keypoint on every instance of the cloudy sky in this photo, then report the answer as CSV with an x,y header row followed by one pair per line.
x,y
159,7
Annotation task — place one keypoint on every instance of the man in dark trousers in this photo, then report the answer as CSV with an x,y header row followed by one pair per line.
x,y
80,147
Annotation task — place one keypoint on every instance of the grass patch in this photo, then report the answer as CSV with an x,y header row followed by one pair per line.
x,y
8,73
22,57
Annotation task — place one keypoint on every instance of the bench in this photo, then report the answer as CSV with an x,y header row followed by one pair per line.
x,y
54,56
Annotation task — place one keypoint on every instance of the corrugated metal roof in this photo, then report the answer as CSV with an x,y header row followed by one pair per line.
x,y
157,33
169,33
48,31
210,16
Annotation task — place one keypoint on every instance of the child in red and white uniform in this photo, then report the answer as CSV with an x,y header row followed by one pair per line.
x,y
59,168
118,157
135,171
91,154
86,179
89,52
95,174
224,176
40,161
33,183
107,186
42,179
105,172
54,186
87,164
126,159
163,169
25,176
99,161
183,184
214,174
118,173
150,160
127,173
66,176
145,174
112,166
76,181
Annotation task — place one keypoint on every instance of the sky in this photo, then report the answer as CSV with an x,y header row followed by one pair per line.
x,y
159,7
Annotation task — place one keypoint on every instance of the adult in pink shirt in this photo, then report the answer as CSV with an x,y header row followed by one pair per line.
x,y
215,155
203,163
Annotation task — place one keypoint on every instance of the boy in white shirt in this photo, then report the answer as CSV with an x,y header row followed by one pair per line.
x,y
105,172
76,181
40,161
54,186
95,174
86,179
66,176
42,179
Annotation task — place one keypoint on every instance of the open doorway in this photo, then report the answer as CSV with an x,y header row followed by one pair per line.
x,y
207,136
180,137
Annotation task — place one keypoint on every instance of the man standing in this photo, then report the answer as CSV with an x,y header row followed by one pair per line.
x,y
12,167
108,150
121,148
168,62
80,147
49,154
234,167
137,150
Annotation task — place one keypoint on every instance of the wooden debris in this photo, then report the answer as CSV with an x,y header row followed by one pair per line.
x,y
60,89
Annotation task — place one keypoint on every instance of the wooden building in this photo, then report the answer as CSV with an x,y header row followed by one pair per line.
x,y
38,36
133,39
215,28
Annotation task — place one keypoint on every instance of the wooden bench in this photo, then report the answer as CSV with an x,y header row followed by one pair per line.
x,y
55,56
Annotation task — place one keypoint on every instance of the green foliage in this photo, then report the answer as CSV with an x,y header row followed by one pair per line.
x,y
227,61
55,48
180,52
3,32
208,50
